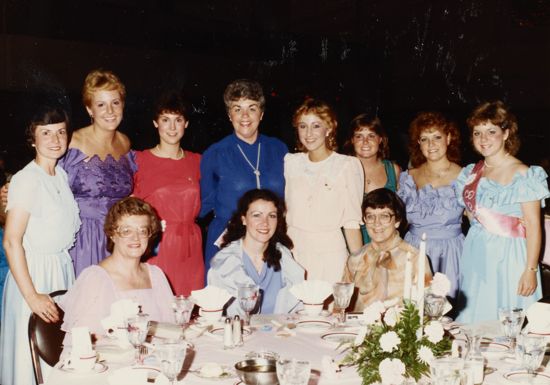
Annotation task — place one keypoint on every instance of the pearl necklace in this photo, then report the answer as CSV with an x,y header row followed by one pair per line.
x,y
179,155
498,165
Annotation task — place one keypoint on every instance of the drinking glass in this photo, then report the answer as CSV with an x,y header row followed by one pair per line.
x,y
433,306
293,372
447,371
138,326
247,294
342,292
171,356
182,307
531,350
511,320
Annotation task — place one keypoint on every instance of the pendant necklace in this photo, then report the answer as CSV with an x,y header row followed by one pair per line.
x,y
255,170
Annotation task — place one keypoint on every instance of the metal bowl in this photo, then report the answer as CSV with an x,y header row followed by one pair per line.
x,y
257,371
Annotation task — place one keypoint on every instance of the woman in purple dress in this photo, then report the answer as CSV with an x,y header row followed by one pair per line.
x,y
99,164
429,194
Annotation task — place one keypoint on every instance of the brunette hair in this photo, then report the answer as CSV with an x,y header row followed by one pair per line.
x,y
172,102
430,121
44,115
382,198
374,124
321,109
126,207
237,230
101,80
243,89
498,114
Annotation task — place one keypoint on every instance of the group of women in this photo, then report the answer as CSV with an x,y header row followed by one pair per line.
x,y
67,212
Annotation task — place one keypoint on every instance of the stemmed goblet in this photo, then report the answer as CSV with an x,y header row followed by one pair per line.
x,y
138,326
342,292
511,321
182,307
531,349
293,372
171,356
247,295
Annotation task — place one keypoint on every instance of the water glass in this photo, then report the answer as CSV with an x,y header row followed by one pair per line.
x,y
447,371
293,372
511,321
434,305
182,307
138,327
171,356
530,350
247,295
342,293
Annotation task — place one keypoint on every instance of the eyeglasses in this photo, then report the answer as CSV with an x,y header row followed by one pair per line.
x,y
127,232
383,218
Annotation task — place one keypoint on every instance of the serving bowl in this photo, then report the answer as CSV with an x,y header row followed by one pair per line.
x,y
257,371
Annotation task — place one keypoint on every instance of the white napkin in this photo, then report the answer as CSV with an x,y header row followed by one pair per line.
x,y
210,298
81,345
134,376
538,315
120,311
313,291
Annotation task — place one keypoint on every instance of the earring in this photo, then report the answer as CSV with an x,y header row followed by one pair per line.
x,y
33,145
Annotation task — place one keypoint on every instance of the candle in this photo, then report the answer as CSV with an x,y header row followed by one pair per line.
x,y
420,276
408,278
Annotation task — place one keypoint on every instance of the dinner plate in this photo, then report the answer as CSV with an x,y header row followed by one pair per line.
x,y
493,347
522,377
99,367
227,373
313,325
339,337
220,331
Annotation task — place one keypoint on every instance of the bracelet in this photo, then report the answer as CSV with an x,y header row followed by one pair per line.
x,y
533,269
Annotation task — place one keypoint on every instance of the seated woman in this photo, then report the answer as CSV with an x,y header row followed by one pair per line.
x,y
378,268
129,225
255,250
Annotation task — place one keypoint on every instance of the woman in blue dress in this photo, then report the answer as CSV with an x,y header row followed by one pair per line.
x,y
502,196
369,143
429,195
242,161
255,250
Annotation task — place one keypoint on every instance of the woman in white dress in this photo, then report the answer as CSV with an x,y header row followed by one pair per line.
x,y
42,219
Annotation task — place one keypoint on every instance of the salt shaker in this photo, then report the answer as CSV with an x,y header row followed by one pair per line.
x,y
237,331
228,334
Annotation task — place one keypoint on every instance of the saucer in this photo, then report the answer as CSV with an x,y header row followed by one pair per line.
x,y
227,373
313,326
339,337
219,331
522,377
99,367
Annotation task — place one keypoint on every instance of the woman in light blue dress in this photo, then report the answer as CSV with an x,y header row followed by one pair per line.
x,y
502,196
429,195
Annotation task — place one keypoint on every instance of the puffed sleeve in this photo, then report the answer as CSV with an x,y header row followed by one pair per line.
x,y
162,293
209,181
460,182
531,186
69,162
22,192
88,301
354,180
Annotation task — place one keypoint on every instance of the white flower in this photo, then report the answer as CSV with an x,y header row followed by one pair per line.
x,y
389,341
373,312
391,371
391,316
434,331
425,354
440,285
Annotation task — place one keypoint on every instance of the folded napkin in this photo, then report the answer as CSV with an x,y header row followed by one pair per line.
x,y
136,375
114,324
165,330
538,315
312,292
210,298
81,342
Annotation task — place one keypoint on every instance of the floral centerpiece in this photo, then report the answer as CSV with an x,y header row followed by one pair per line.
x,y
395,345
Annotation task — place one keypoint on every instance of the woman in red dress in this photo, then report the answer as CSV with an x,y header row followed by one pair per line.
x,y
168,178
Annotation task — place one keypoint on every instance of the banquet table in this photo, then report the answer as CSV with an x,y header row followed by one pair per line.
x,y
306,344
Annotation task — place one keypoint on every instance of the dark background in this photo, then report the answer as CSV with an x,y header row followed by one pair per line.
x,y
395,58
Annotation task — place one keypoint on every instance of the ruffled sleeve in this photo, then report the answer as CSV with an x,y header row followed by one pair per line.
x,y
162,293
22,192
70,162
531,186
89,300
355,183
460,182
407,188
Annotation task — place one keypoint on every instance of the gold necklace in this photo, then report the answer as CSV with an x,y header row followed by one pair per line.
x,y
498,165
179,155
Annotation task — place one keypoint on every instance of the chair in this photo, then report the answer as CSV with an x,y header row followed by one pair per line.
x,y
45,340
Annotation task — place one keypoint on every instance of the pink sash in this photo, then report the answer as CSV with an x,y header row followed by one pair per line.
x,y
493,221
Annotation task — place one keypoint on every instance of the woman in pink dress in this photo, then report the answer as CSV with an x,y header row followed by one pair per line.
x,y
168,178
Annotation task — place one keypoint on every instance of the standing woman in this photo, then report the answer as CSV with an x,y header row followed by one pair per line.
x,y
168,178
502,196
242,161
42,219
99,164
369,143
429,193
323,193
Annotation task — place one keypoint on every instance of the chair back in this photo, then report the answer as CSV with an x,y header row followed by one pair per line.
x,y
45,340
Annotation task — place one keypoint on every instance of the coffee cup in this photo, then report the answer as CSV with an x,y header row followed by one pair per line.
x,y
81,362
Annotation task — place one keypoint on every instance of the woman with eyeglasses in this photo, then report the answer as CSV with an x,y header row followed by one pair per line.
x,y
378,268
130,225
428,191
